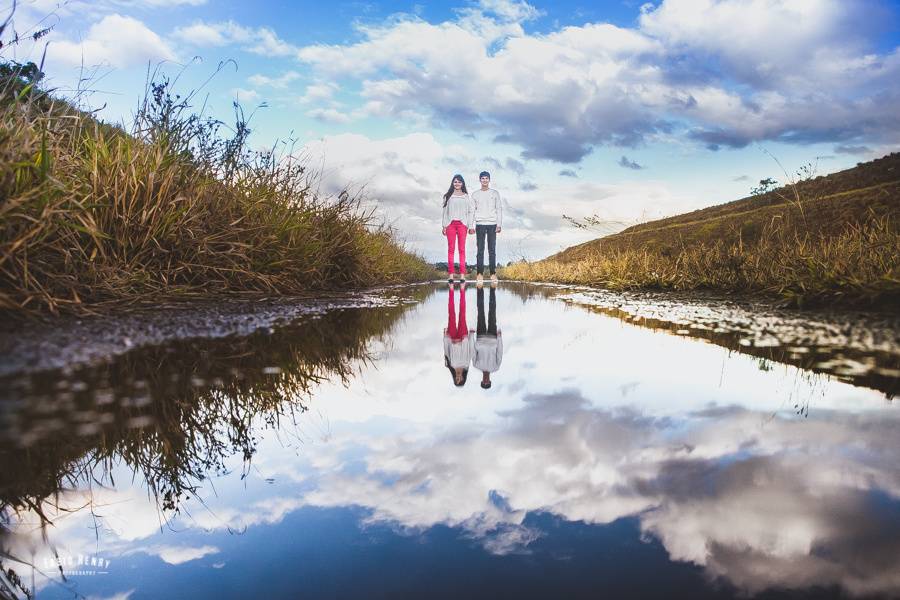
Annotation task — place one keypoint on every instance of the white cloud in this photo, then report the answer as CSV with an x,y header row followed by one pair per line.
x,y
804,70
404,177
261,40
279,82
329,115
244,95
115,40
203,34
318,92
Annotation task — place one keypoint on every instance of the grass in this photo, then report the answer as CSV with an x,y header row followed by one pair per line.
x,y
822,242
91,213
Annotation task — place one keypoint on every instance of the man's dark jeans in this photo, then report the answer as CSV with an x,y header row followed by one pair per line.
x,y
489,231
489,328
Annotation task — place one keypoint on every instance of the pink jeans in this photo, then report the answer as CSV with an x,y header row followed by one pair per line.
x,y
456,234
457,328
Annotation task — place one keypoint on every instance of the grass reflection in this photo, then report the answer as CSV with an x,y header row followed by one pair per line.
x,y
173,414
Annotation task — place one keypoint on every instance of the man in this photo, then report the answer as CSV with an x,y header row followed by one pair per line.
x,y
488,351
488,220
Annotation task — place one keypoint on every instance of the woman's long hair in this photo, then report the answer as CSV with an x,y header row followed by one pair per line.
x,y
465,373
450,191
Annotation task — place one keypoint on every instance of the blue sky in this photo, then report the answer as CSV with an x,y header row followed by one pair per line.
x,y
625,110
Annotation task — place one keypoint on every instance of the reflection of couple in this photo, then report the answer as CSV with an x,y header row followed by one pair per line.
x,y
482,347
479,213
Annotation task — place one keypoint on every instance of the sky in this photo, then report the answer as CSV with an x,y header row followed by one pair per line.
x,y
624,110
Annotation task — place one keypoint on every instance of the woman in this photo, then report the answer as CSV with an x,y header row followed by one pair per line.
x,y
456,222
459,342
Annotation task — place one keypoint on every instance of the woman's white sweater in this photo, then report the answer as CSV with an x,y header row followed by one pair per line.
x,y
459,208
459,353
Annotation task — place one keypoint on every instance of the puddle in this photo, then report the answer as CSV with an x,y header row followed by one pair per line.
x,y
332,454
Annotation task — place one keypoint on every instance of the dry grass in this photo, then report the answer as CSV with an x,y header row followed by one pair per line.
x,y
860,265
91,213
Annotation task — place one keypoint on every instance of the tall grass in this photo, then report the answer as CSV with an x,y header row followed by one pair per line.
x,y
859,265
174,206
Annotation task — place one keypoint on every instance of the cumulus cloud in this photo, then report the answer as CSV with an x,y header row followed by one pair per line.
x,y
404,176
279,82
318,92
842,149
115,40
746,70
515,166
244,95
329,115
261,40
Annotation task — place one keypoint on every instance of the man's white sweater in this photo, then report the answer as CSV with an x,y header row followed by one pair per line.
x,y
488,352
488,207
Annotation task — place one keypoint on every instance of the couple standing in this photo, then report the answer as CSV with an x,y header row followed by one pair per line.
x,y
479,213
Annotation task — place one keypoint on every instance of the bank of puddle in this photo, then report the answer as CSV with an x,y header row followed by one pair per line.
x,y
624,445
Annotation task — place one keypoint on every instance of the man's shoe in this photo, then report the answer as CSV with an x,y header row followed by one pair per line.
x,y
493,278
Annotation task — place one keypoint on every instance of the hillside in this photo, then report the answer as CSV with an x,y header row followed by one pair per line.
x,y
828,204
832,239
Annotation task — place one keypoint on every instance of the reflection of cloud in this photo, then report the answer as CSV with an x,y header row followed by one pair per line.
x,y
779,520
117,596
777,503
176,555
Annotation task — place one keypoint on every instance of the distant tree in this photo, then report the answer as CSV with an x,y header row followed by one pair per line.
x,y
765,186
25,73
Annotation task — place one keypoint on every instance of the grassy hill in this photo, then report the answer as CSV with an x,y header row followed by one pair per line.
x,y
174,207
831,237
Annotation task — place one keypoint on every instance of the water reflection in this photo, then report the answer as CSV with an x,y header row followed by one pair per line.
x,y
488,338
171,415
627,451
859,348
459,344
